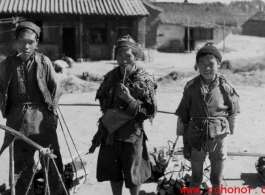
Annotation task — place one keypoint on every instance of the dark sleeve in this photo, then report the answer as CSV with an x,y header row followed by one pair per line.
x,y
1,98
2,78
101,94
52,82
183,110
146,106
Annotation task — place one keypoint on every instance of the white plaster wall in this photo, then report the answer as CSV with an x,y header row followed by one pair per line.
x,y
218,35
217,38
168,32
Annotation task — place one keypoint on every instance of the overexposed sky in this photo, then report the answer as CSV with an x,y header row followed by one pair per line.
x,y
201,1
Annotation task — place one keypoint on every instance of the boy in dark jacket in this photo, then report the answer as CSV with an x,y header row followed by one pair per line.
x,y
206,114
29,93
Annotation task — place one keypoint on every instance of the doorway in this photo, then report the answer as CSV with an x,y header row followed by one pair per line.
x,y
189,42
68,42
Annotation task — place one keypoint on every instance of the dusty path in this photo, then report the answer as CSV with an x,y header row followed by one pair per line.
x,y
239,170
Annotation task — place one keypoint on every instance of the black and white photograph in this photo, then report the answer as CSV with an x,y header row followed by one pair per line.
x,y
132,97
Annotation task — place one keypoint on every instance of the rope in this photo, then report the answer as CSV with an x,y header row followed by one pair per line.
x,y
183,168
73,142
66,139
205,169
58,173
32,176
47,188
60,177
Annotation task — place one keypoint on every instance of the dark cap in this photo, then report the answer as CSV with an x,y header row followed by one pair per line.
x,y
209,49
29,25
127,41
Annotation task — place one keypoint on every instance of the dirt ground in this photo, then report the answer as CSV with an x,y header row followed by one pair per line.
x,y
82,121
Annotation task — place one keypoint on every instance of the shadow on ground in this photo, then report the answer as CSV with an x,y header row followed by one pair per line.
x,y
252,180
146,193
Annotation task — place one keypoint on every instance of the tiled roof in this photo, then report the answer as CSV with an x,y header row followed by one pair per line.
x,y
80,7
204,15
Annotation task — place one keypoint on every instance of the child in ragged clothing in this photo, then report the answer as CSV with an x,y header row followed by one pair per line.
x,y
206,114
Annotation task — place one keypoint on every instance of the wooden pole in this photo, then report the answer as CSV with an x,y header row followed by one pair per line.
x,y
81,36
165,112
11,169
188,33
246,154
224,36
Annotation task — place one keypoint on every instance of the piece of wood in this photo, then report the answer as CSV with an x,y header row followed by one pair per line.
x,y
82,104
25,139
234,154
80,37
11,169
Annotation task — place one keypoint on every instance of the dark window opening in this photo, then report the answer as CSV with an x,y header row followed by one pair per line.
x,y
40,24
50,31
96,33
205,33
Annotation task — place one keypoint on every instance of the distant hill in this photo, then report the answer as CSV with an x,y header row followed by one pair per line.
x,y
243,10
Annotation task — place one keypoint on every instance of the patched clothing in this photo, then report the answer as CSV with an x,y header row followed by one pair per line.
x,y
29,94
206,110
24,85
127,143
142,88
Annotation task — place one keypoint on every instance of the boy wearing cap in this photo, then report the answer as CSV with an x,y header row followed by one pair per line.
x,y
127,98
206,114
29,94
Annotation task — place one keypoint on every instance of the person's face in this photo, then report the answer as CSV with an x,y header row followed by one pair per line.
x,y
126,59
208,67
26,44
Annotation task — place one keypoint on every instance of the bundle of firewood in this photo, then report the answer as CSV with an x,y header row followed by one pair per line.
x,y
179,186
177,182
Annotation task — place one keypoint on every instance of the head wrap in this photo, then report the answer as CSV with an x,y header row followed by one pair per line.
x,y
209,49
29,25
127,41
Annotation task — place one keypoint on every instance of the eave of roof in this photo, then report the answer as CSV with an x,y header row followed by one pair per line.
x,y
79,7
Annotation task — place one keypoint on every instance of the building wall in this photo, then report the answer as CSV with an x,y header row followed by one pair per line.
x,y
141,31
254,28
76,35
217,38
167,33
218,35
7,38
50,50
151,27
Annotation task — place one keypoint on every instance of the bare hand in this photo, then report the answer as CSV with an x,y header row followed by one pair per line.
x,y
124,93
44,151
